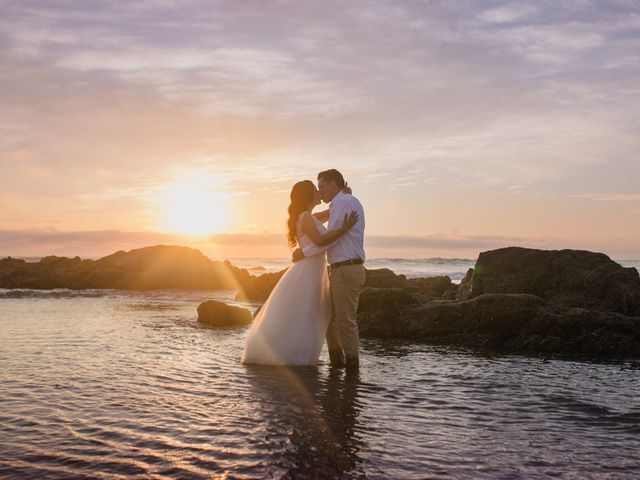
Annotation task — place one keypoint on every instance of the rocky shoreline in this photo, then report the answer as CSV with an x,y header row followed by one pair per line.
x,y
150,268
520,300
517,300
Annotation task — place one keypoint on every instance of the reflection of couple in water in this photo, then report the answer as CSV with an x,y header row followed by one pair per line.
x,y
310,421
310,417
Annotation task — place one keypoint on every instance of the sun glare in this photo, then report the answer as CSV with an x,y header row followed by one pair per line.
x,y
192,209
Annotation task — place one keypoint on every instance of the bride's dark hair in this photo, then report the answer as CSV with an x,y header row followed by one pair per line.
x,y
302,195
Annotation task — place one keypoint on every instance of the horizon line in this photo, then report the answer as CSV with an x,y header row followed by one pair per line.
x,y
98,243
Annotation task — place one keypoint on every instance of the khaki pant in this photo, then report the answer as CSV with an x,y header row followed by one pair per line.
x,y
346,284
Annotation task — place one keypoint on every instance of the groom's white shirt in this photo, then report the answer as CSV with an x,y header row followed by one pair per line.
x,y
349,246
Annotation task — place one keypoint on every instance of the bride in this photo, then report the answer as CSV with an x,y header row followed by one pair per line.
x,y
290,327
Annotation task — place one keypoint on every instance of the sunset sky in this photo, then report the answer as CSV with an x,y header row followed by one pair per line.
x,y
461,125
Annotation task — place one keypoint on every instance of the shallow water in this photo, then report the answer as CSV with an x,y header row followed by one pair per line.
x,y
107,384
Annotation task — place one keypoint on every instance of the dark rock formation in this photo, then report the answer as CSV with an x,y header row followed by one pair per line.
x,y
519,300
571,278
506,322
384,278
159,267
257,289
433,288
218,314
380,310
464,289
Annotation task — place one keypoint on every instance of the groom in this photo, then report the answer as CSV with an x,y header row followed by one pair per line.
x,y
346,277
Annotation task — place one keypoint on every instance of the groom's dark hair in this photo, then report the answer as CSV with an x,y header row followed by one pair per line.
x,y
333,174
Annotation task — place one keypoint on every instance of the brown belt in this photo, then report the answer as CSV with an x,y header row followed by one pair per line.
x,y
355,261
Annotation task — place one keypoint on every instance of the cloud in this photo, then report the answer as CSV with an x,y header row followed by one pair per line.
x,y
454,242
508,13
609,197
105,103
554,44
46,242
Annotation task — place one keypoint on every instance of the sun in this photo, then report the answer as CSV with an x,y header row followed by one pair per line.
x,y
190,208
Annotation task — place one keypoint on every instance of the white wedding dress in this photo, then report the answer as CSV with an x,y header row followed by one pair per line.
x,y
290,327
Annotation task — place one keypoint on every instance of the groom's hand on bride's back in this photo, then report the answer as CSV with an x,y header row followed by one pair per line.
x,y
297,255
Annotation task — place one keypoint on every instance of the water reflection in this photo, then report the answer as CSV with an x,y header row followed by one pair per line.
x,y
311,421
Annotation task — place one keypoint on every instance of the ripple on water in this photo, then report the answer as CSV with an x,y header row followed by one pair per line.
x,y
117,385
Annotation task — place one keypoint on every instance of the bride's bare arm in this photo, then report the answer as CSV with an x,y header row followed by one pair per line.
x,y
322,216
310,228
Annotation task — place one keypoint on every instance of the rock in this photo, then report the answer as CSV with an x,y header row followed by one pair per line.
x,y
518,300
382,309
158,267
10,265
387,300
451,293
570,278
507,322
258,289
384,278
464,289
218,314
431,288
168,267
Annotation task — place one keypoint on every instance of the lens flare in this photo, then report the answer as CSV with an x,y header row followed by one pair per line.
x,y
191,207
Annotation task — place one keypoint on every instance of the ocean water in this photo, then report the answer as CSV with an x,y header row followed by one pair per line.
x,y
112,384
455,268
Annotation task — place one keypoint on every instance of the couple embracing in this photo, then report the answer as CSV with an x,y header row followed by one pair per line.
x,y
308,304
